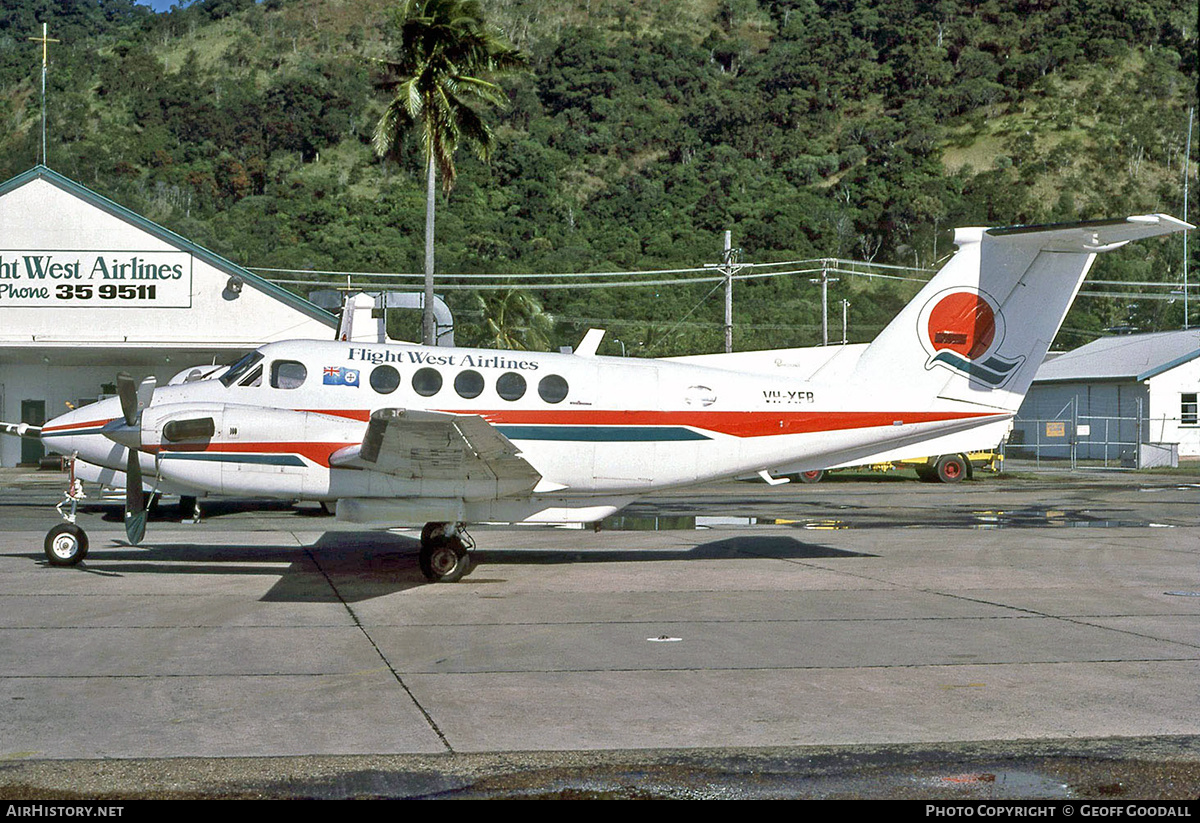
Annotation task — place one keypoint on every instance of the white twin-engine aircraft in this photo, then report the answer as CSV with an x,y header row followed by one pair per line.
x,y
406,435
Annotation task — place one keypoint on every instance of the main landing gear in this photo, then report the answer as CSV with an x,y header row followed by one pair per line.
x,y
444,554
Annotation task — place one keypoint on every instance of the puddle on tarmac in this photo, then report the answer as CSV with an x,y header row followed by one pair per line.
x,y
654,523
1001,784
1017,519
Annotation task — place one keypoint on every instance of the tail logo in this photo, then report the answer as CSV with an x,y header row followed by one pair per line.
x,y
962,330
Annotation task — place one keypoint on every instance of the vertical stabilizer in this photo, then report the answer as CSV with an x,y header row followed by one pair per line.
x,y
979,330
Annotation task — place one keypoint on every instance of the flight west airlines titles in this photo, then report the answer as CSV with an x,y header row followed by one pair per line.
x,y
425,358
66,279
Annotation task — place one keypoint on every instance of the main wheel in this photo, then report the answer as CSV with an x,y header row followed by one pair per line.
x,y
444,559
66,544
951,468
431,531
812,476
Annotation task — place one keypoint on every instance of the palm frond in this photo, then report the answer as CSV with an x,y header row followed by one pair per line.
x,y
446,63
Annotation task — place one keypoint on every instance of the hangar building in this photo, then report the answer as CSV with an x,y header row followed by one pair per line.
x,y
1115,399
88,289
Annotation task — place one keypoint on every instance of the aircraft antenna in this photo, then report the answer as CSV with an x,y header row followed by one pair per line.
x,y
45,40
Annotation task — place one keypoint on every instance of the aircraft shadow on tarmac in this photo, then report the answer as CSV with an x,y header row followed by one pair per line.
x,y
212,508
358,566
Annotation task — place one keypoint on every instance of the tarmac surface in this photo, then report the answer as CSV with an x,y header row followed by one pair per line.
x,y
1034,635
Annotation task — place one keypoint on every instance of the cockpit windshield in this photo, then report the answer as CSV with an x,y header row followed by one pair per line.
x,y
240,367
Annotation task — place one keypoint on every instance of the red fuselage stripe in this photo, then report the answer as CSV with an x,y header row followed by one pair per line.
x,y
735,424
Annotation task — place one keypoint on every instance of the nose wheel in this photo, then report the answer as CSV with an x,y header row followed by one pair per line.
x,y
444,554
66,544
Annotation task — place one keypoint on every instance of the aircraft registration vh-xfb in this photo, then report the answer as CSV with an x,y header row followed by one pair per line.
x,y
405,435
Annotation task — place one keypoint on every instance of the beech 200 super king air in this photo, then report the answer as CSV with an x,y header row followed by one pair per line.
x,y
400,434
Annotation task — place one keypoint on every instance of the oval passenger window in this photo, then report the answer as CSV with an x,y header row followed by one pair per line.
x,y
427,382
511,386
385,379
552,388
468,384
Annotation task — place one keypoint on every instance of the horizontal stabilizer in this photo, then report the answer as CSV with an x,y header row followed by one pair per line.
x,y
1095,235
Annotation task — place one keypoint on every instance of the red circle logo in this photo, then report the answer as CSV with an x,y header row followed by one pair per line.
x,y
962,323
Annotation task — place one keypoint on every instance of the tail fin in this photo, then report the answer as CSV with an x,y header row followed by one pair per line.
x,y
978,331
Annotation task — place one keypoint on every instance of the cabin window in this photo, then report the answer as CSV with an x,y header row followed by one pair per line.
x,y
385,379
427,382
1189,414
288,374
240,368
511,386
552,388
469,384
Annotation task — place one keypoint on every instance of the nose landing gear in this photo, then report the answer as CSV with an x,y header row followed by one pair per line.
x,y
66,544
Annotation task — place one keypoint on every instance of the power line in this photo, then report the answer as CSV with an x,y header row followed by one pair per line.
x,y
373,280
814,264
855,268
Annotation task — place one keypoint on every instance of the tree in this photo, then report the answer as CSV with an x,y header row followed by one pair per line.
x,y
513,319
447,62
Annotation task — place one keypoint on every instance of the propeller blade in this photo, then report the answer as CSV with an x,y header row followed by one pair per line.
x,y
135,499
21,429
145,393
127,391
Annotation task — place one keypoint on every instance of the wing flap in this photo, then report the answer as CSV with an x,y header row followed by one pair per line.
x,y
436,446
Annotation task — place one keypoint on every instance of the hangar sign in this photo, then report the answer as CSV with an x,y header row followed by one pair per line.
x,y
95,279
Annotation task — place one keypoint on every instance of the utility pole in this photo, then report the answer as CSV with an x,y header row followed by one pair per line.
x,y
845,314
1187,160
725,258
45,40
731,263
824,280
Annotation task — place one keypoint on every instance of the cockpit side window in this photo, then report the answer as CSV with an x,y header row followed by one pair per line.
x,y
254,378
288,374
240,368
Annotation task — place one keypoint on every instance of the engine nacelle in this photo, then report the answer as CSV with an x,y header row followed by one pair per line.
x,y
246,450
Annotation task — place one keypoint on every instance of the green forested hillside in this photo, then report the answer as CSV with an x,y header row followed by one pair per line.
x,y
642,132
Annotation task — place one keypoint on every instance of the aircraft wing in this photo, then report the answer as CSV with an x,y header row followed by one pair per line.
x,y
442,449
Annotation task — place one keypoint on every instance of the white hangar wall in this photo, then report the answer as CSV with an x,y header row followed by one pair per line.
x,y
1173,407
89,288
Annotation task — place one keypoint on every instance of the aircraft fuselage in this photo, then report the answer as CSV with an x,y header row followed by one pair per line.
x,y
588,425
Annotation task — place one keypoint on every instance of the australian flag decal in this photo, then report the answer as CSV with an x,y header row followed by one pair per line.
x,y
340,376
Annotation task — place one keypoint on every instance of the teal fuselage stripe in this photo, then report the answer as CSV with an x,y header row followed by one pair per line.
x,y
236,457
601,434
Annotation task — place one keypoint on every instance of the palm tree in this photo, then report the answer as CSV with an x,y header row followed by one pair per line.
x,y
447,61
513,319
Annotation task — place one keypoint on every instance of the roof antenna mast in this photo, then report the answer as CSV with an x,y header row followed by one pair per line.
x,y
45,40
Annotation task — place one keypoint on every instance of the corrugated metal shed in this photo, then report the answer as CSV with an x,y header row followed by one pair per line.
x,y
1109,399
1127,357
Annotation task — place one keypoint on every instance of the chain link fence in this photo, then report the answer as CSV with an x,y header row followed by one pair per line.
x,y
1070,439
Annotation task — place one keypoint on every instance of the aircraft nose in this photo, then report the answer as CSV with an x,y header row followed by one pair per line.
x,y
82,430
